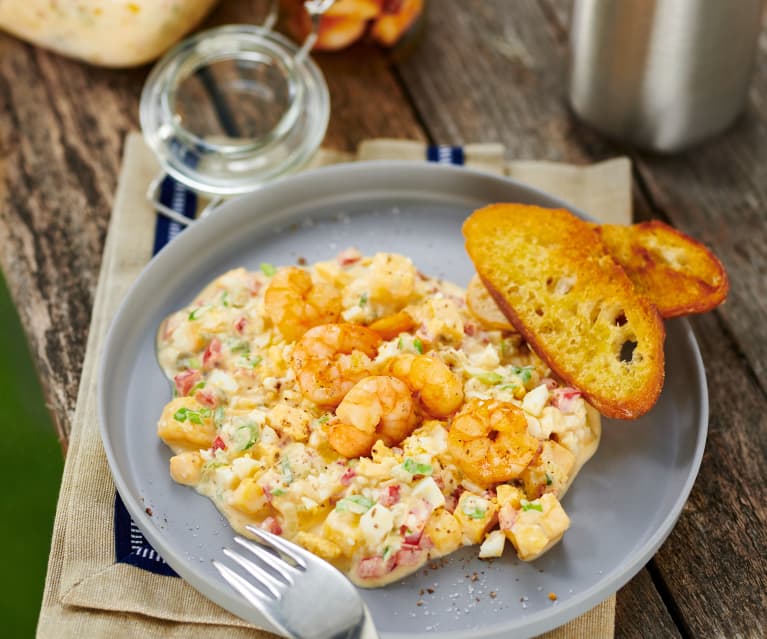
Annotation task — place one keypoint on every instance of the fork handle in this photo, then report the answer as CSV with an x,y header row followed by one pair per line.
x,y
366,629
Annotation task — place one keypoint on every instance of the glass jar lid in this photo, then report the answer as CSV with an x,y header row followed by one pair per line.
x,y
234,107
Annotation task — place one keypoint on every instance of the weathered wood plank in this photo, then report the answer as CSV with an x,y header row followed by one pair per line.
x,y
515,92
61,136
60,146
640,608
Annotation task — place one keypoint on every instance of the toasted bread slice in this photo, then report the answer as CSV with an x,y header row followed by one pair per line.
x,y
675,272
553,278
483,307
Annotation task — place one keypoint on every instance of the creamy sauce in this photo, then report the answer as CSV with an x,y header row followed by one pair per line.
x,y
245,435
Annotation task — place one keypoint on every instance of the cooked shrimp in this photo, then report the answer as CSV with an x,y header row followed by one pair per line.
x,y
488,439
329,359
439,389
377,407
296,303
391,281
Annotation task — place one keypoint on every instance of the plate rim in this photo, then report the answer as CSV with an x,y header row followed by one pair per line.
x,y
534,624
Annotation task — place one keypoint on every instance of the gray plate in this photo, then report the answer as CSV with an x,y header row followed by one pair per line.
x,y
622,506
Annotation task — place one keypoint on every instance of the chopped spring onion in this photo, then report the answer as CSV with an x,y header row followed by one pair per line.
x,y
524,373
549,480
415,468
474,512
268,269
240,347
491,378
194,416
388,551
400,344
358,504
287,472
196,387
418,345
363,299
277,492
225,298
526,505
197,313
248,435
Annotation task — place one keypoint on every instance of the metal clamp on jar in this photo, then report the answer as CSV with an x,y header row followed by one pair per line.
x,y
232,108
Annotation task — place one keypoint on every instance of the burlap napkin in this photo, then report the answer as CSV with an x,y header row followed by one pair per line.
x,y
90,594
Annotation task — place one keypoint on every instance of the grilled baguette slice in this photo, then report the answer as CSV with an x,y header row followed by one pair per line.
x,y
553,278
483,307
675,272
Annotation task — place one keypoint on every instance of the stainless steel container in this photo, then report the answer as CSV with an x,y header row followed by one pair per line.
x,y
662,74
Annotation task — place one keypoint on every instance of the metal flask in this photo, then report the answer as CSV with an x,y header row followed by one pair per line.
x,y
662,74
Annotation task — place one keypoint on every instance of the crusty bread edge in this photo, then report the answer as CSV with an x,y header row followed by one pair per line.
x,y
719,294
631,409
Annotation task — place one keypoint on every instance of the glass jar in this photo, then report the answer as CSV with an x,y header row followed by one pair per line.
x,y
234,107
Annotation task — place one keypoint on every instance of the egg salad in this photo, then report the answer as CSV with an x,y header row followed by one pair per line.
x,y
358,408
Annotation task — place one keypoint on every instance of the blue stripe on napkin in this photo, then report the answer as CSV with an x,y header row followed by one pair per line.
x,y
131,547
445,154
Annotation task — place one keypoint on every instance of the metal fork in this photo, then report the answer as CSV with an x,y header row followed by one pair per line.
x,y
303,596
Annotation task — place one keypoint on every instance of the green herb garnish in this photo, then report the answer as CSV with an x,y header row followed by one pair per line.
x,y
194,416
278,492
400,343
251,434
198,312
549,480
225,298
363,299
241,347
415,468
196,387
474,512
418,345
268,269
358,504
524,373
287,472
526,505
492,378
387,552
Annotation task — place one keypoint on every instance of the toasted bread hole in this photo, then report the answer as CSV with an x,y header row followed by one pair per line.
x,y
539,312
550,283
627,351
621,320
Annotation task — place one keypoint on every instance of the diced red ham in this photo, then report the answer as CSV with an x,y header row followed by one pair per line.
x,y
206,398
390,496
347,477
272,525
240,324
374,567
212,353
564,398
507,515
185,381
219,444
348,256
409,555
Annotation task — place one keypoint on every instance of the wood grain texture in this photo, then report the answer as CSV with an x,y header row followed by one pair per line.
x,y
61,138
639,608
708,571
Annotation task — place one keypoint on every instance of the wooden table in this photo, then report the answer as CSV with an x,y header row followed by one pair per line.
x,y
489,71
